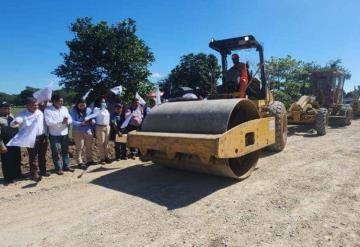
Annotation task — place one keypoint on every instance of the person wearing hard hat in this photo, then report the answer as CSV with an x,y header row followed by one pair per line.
x,y
242,69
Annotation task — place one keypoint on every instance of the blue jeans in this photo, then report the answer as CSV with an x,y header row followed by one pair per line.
x,y
63,142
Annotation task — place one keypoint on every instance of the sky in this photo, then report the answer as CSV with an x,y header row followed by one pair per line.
x,y
33,33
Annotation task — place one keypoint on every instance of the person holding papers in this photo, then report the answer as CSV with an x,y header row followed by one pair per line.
x,y
58,119
32,136
102,129
82,133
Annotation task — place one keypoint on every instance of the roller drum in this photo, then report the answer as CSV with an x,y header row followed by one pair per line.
x,y
203,117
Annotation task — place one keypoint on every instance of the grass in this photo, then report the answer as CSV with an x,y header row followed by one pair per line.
x,y
16,109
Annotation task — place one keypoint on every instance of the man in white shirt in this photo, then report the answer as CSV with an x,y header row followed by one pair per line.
x,y
31,122
58,119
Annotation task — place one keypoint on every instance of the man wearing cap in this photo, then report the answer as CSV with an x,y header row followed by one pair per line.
x,y
58,119
243,74
31,122
10,156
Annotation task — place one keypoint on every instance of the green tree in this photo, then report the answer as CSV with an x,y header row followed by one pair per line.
x,y
283,70
337,64
10,98
69,96
288,76
103,56
196,71
27,92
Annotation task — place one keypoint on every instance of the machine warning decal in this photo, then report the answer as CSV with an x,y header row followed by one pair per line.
x,y
272,124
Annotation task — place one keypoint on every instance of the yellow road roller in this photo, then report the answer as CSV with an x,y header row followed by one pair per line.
x,y
223,135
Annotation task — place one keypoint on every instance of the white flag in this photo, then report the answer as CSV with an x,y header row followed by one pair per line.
x,y
27,135
117,90
126,122
141,100
87,94
43,94
158,99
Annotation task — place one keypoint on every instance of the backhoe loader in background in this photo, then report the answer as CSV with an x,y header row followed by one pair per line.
x,y
323,105
222,135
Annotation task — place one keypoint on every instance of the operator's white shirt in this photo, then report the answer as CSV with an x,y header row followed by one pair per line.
x,y
54,118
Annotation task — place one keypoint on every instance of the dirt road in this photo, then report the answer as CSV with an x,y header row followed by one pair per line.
x,y
307,195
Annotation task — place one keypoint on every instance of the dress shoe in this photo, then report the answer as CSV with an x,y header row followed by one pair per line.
x,y
91,163
59,172
8,181
21,176
82,166
36,178
45,174
68,169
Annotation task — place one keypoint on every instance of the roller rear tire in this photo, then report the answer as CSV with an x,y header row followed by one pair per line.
x,y
278,110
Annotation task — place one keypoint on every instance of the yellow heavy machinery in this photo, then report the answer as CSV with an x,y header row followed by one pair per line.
x,y
307,111
353,99
323,105
221,136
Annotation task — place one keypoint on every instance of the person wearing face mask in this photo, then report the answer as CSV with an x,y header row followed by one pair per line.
x,y
102,130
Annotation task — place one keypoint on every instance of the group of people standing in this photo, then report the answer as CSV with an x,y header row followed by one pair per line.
x,y
43,123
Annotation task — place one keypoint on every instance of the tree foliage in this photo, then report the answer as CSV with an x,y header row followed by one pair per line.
x,y
288,76
337,64
103,56
27,92
198,71
14,99
19,99
288,69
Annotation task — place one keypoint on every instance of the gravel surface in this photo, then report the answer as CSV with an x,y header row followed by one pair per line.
x,y
307,195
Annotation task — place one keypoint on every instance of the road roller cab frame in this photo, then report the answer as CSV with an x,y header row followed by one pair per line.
x,y
323,103
221,136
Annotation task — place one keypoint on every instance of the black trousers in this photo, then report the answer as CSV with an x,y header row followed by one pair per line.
x,y
129,128
10,163
37,155
120,150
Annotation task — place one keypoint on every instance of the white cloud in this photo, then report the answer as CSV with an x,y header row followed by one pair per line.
x,y
156,75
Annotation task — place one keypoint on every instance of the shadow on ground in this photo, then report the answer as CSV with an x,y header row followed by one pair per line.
x,y
164,186
302,130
